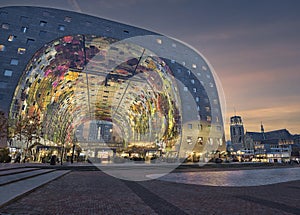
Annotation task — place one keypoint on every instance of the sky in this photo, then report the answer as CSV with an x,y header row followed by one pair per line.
x,y
253,46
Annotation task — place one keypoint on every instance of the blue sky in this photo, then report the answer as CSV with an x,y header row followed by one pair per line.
x,y
253,46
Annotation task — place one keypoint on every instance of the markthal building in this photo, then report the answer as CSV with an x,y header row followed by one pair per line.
x,y
77,85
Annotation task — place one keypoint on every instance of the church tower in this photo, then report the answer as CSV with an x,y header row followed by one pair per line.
x,y
236,130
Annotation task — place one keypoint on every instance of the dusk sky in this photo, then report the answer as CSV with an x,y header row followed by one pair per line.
x,y
254,47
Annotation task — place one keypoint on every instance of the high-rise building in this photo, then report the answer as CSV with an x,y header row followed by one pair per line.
x,y
69,69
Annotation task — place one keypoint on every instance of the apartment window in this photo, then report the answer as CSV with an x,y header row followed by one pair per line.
x,y
185,89
11,38
46,13
172,61
61,27
8,73
193,81
3,85
211,84
24,19
2,48
195,90
68,19
190,126
194,66
197,99
42,33
14,62
159,41
29,41
21,50
5,26
173,45
24,29
3,14
43,23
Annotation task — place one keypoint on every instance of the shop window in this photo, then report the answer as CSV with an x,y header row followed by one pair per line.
x,y
61,27
2,48
43,23
21,50
14,62
68,19
5,26
11,38
8,73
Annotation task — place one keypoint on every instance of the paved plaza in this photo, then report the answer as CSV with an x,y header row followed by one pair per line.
x,y
94,192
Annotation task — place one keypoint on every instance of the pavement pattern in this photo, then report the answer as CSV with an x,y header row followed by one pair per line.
x,y
94,192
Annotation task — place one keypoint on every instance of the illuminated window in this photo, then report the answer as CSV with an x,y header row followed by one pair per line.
x,y
61,27
185,89
43,23
5,26
211,84
21,50
159,41
8,73
208,118
172,61
68,19
2,48
197,99
195,90
194,66
14,62
207,109
193,81
11,38
24,29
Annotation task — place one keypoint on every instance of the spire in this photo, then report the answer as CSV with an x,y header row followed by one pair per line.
x,y
262,130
